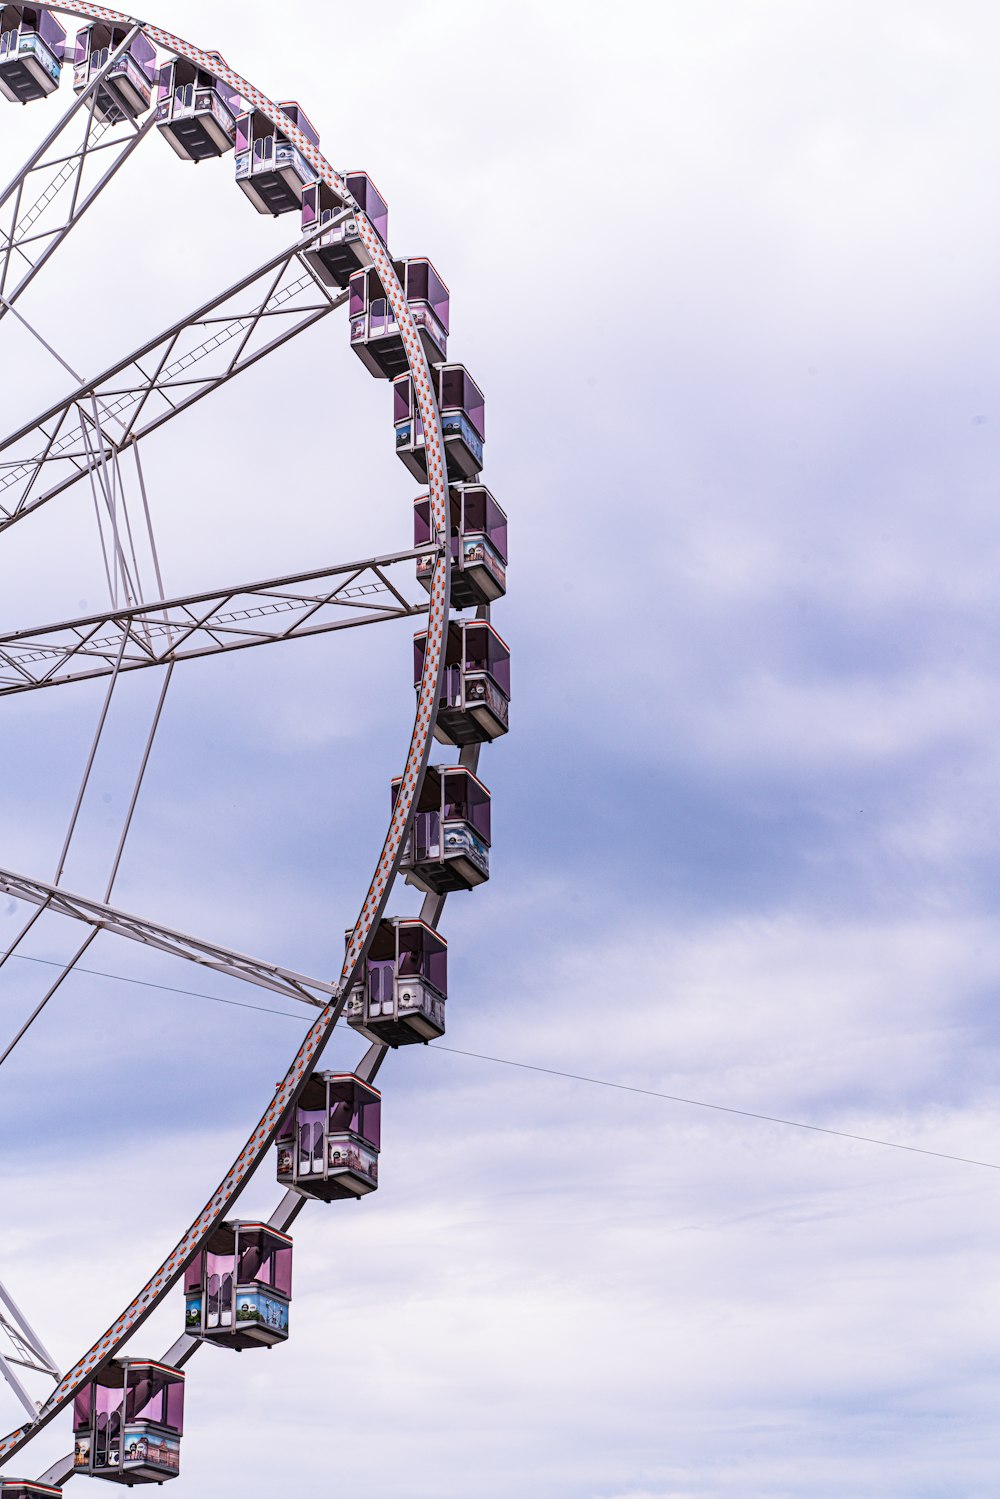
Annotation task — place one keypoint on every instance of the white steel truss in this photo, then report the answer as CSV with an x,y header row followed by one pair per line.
x,y
22,1347
96,914
59,182
227,619
92,426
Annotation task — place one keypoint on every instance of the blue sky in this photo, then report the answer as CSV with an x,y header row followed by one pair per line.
x,y
726,273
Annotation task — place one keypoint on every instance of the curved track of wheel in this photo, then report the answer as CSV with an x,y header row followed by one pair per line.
x,y
165,1277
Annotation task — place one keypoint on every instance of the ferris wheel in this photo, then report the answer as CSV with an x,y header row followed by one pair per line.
x,y
132,82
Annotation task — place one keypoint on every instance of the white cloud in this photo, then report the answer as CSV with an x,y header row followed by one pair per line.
x,y
727,273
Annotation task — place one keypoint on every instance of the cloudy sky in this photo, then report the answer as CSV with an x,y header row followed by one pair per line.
x,y
726,271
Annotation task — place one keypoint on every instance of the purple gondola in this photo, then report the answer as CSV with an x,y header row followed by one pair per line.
x,y
127,90
270,168
195,111
478,536
128,1422
237,1289
375,334
328,1145
339,251
404,985
448,847
32,52
463,422
475,683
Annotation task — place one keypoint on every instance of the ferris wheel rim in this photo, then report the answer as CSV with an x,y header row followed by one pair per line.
x,y
417,757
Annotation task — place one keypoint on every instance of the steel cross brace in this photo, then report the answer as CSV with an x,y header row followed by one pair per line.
x,y
207,624
60,902
162,378
31,231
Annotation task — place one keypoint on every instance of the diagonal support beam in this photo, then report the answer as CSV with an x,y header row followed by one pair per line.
x,y
27,1351
207,624
165,376
101,917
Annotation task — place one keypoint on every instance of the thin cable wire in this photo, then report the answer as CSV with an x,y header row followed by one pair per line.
x,y
121,978
112,589
99,472
110,573
69,967
576,1077
79,379
719,1108
123,491
120,565
101,723
75,814
100,533
149,520
126,827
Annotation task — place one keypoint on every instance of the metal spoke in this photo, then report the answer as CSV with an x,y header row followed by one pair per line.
x,y
163,377
74,814
284,981
228,619
116,865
